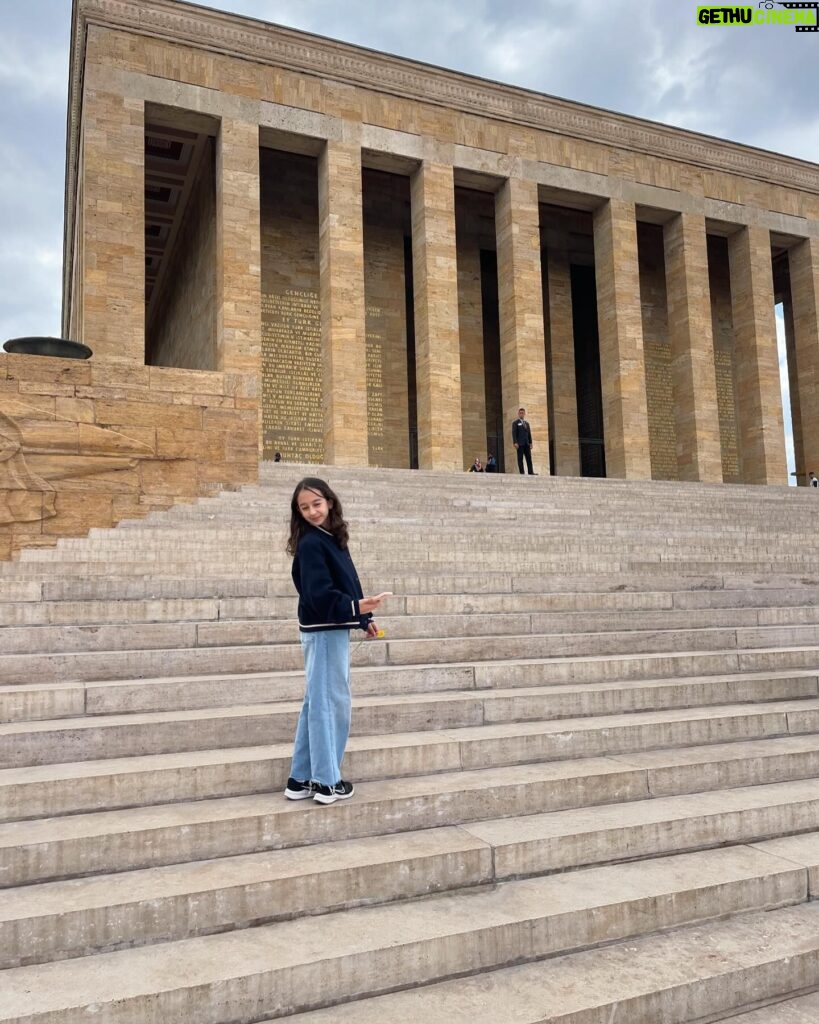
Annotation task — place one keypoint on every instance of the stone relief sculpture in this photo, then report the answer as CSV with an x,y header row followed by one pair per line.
x,y
27,495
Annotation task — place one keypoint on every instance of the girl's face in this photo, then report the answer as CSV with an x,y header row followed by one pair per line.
x,y
314,507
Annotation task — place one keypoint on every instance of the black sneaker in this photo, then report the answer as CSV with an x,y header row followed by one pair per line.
x,y
329,794
299,790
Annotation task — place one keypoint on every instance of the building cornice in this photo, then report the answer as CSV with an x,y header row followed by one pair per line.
x,y
248,39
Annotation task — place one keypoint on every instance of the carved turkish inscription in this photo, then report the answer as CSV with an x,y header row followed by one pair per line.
x,y
291,376
660,401
375,384
727,414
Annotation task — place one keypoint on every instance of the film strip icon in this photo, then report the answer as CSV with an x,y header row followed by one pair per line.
x,y
805,7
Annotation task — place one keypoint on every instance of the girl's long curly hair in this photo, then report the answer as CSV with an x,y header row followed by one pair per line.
x,y
335,521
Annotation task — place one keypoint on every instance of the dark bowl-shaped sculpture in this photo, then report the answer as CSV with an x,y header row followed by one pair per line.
x,y
60,347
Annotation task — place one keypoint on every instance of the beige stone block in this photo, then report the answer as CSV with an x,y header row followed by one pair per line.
x,y
171,476
108,374
35,387
112,254
622,361
520,300
21,506
163,378
48,369
48,436
341,298
124,440
803,260
696,412
27,407
238,249
761,427
437,343
148,414
232,473
79,410
77,513
202,445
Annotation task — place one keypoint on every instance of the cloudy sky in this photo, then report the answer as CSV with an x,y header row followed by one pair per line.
x,y
650,58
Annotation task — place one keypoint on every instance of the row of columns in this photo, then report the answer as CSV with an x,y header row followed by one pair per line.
x,y
112,330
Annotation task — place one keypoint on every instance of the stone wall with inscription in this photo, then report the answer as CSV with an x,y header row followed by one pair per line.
x,y
719,280
291,402
657,352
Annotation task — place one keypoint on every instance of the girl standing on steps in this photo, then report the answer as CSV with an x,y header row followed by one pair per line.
x,y
331,603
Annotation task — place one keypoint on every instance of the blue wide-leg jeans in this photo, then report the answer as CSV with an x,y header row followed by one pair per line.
x,y
324,722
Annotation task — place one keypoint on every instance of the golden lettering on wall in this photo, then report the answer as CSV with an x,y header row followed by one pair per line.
x,y
727,414
291,376
375,384
660,401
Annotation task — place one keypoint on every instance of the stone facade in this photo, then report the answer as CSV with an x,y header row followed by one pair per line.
x,y
391,319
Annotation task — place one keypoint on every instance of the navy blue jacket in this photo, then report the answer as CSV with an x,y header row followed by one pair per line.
x,y
328,585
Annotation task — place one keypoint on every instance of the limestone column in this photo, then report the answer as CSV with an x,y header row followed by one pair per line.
x,y
238,250
341,294
111,236
622,362
696,413
793,387
437,345
520,302
803,260
759,401
564,386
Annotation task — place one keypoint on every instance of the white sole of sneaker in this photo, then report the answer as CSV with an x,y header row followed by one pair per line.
x,y
301,794
319,798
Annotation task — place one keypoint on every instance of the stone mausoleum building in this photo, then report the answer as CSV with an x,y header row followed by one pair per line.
x,y
402,255
279,242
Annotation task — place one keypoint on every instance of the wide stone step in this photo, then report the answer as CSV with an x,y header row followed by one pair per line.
x,y
225,632
87,786
678,977
393,704
162,833
297,965
146,662
40,585
449,717
46,625
799,1010
62,919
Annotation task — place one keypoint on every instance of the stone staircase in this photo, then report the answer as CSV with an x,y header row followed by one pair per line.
x,y
586,759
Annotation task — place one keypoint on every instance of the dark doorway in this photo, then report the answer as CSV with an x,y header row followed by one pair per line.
x,y
491,355
587,372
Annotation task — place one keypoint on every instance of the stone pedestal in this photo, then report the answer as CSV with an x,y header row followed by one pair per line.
x,y
341,292
520,301
761,430
622,366
437,344
692,349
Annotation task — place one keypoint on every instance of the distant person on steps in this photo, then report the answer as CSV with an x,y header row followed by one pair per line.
x,y
522,440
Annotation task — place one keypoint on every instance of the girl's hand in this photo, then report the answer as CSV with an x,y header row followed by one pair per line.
x,y
372,630
369,604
